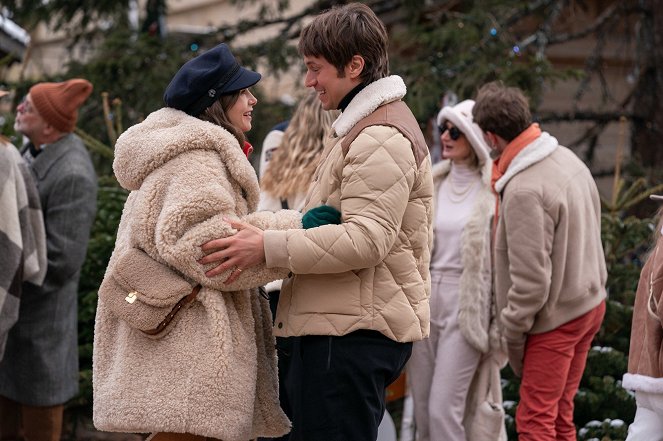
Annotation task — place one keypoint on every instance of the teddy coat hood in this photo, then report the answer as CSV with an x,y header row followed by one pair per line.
x,y
214,373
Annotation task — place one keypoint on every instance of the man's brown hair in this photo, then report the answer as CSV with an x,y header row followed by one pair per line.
x,y
501,110
342,32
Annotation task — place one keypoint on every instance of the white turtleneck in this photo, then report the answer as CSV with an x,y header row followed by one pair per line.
x,y
455,200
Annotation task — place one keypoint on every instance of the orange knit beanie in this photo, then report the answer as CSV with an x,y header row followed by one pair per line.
x,y
58,103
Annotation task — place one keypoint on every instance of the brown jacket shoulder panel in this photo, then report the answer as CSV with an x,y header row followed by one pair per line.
x,y
395,114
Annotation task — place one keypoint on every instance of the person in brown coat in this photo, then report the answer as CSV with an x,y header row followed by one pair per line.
x,y
645,359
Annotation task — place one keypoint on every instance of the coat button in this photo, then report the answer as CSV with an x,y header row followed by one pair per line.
x,y
280,325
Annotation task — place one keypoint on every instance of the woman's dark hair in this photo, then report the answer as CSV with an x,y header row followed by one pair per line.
x,y
217,114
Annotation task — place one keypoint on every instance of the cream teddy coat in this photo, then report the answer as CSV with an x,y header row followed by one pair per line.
x,y
214,373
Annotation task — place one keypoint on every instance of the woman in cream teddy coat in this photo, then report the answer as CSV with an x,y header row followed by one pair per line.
x,y
212,371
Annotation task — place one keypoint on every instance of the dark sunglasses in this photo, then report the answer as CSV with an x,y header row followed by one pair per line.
x,y
454,133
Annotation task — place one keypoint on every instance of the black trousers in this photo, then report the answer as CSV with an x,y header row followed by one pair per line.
x,y
286,367
336,386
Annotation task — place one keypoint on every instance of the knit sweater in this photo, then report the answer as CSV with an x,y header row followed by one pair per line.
x,y
451,214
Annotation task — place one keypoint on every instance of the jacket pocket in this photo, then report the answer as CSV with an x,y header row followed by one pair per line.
x,y
327,294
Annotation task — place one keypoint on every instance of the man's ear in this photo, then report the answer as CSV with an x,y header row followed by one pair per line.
x,y
50,132
489,138
355,67
48,129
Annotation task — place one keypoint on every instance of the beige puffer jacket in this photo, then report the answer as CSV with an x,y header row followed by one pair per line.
x,y
185,176
372,270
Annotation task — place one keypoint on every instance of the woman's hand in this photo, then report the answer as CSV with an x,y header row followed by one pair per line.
x,y
242,250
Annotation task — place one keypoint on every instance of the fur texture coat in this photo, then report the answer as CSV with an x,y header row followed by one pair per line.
x,y
645,359
214,372
475,306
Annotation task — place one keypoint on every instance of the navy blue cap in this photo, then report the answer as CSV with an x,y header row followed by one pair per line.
x,y
201,80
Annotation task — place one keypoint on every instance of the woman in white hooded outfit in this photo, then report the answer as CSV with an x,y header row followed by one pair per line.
x,y
177,353
444,371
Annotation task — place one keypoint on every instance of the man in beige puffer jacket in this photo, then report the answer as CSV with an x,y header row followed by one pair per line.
x,y
358,292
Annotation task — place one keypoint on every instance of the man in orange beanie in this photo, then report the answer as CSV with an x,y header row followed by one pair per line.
x,y
39,372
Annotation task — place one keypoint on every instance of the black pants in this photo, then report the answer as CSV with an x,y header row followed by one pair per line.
x,y
286,367
336,385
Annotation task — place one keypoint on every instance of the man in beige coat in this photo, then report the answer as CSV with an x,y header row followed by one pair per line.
x,y
357,295
550,270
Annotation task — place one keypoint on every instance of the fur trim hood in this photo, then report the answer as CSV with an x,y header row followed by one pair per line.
x,y
380,92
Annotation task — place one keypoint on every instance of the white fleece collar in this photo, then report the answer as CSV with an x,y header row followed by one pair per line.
x,y
377,93
539,149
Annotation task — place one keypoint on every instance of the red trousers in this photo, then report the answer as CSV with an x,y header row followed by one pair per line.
x,y
552,367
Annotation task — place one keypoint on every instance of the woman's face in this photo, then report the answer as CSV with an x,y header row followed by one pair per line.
x,y
239,114
457,150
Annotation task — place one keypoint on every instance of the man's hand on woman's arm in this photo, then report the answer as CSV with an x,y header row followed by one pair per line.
x,y
245,248
242,250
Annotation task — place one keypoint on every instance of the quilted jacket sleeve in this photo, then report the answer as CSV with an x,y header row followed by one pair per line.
x,y
376,178
193,212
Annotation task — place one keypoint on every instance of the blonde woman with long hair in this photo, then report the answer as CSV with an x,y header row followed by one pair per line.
x,y
287,167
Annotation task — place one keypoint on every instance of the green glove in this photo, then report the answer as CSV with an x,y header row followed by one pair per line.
x,y
322,215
